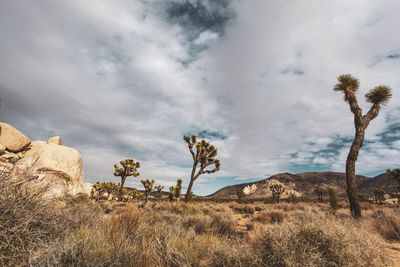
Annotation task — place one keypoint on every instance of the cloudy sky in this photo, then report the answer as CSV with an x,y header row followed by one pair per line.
x,y
127,79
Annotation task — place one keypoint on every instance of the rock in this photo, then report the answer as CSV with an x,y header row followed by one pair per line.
x,y
12,139
54,140
2,149
58,167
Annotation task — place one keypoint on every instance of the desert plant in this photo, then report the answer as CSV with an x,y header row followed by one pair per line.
x,y
277,189
333,201
190,196
320,192
171,193
379,195
378,96
148,188
395,174
205,156
240,195
159,188
178,189
111,188
129,168
97,190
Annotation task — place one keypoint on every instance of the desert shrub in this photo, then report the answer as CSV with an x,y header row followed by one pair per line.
x,y
258,208
25,220
243,209
318,241
387,223
275,216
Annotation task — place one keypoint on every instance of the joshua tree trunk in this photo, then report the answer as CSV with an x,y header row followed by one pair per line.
x,y
192,178
121,192
351,188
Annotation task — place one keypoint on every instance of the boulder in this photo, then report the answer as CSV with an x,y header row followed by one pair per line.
x,y
58,167
2,149
54,140
12,139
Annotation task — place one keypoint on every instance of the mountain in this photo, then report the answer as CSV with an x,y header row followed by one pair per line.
x,y
305,183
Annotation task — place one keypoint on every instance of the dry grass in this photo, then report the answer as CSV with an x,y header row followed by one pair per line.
x,y
81,232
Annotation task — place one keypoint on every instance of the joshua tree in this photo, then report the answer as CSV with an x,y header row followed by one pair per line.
x,y
277,189
111,188
395,174
241,195
205,156
129,168
377,96
178,189
159,188
148,188
320,192
333,199
97,188
171,193
379,195
190,196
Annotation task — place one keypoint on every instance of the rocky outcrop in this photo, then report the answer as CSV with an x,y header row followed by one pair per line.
x,y
54,140
49,164
12,139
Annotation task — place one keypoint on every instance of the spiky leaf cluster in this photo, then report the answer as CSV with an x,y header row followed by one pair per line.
x,y
148,185
129,168
205,154
159,188
348,85
380,95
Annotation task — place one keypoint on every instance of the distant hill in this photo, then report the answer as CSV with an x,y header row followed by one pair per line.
x,y
304,183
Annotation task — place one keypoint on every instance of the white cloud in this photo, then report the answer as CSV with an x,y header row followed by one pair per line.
x,y
116,80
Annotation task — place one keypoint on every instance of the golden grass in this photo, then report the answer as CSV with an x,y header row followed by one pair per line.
x,y
86,233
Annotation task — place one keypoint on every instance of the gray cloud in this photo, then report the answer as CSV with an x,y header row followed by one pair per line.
x,y
128,79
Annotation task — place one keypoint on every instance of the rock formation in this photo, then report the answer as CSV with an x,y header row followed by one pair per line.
x,y
48,163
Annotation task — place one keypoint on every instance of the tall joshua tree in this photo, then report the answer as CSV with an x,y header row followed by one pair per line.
x,y
205,156
129,168
377,96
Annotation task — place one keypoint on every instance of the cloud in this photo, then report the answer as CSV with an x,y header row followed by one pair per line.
x,y
128,79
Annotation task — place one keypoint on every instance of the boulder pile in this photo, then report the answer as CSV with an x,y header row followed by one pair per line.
x,y
51,164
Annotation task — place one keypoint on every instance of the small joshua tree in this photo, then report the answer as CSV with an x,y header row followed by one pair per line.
x,y
333,201
240,195
111,188
377,96
277,189
395,174
148,188
190,196
178,189
159,188
379,195
97,189
205,156
320,192
129,168
171,193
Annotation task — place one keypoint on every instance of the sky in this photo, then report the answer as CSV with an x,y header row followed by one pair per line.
x,y
127,79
